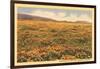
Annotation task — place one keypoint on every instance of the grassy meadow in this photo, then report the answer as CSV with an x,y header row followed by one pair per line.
x,y
52,40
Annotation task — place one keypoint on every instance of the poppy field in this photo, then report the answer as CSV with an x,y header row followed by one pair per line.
x,y
40,40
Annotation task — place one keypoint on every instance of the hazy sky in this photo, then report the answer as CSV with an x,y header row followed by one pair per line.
x,y
58,14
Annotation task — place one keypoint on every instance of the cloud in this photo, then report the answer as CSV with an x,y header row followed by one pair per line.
x,y
43,13
60,16
74,17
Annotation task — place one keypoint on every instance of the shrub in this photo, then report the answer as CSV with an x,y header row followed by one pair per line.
x,y
22,59
83,54
51,56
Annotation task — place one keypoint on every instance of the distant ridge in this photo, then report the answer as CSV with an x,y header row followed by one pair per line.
x,y
30,17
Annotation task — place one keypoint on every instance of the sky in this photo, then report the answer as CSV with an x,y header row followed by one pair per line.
x,y
58,14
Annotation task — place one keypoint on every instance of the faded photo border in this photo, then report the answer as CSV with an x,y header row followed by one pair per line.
x,y
13,58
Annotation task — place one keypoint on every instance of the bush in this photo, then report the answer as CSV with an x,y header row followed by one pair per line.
x,y
83,54
53,30
68,52
59,41
22,59
36,58
51,56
